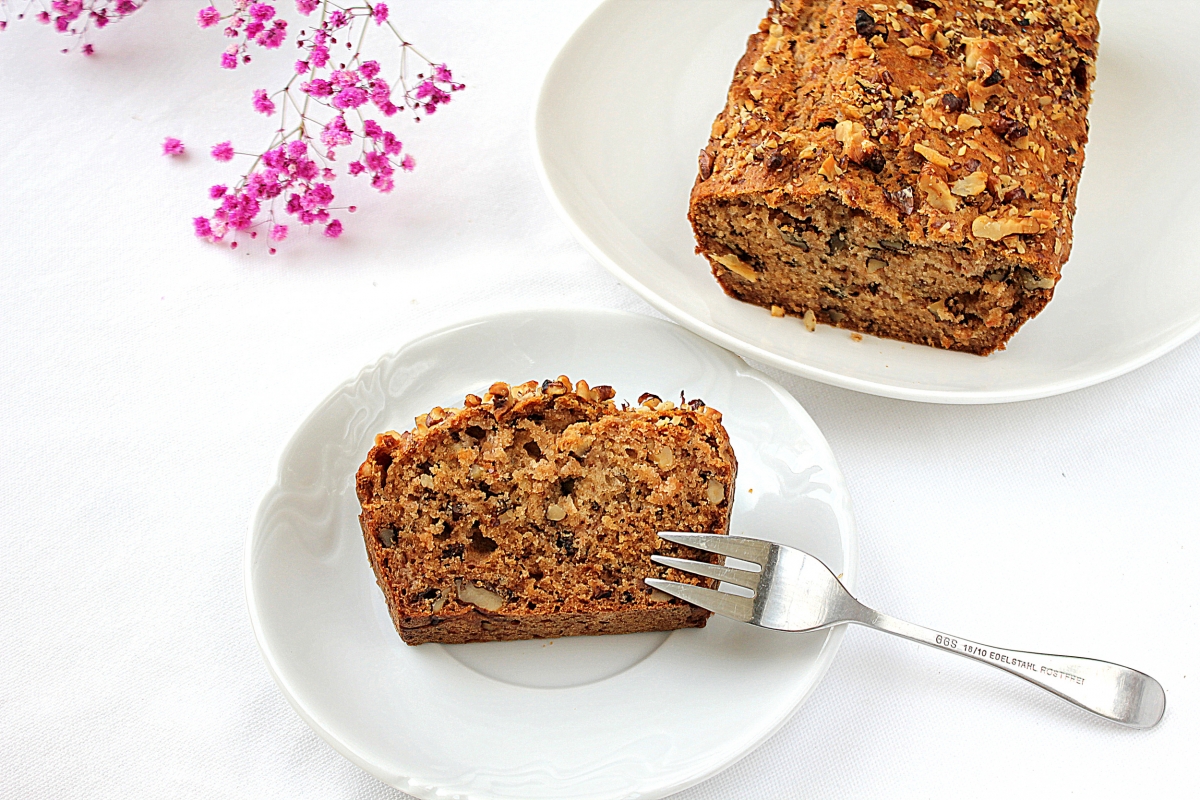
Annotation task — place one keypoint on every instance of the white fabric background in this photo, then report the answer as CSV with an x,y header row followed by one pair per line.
x,y
149,381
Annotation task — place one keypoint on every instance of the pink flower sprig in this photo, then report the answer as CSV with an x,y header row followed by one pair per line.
x,y
326,107
75,17
249,23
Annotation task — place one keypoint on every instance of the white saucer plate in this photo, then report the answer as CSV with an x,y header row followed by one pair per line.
x,y
628,103
636,716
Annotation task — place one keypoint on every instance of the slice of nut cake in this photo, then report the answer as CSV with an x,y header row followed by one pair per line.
x,y
533,511
905,169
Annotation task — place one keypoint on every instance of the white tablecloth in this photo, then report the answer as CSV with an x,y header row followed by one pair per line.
x,y
150,381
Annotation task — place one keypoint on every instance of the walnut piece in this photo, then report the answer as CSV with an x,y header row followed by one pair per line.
x,y
859,147
983,56
735,265
996,229
937,193
972,185
931,155
477,595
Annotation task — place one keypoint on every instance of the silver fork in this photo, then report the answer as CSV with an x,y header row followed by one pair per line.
x,y
794,591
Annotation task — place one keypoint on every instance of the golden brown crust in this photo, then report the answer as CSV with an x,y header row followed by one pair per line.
x,y
951,124
532,512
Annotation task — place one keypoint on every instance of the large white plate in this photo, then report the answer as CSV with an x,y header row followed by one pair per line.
x,y
635,716
628,103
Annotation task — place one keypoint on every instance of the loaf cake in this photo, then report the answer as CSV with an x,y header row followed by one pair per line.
x,y
904,169
532,512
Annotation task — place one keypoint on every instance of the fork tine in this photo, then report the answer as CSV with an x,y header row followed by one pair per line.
x,y
727,605
752,550
739,577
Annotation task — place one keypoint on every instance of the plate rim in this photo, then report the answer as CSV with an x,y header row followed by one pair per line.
x,y
789,365
822,662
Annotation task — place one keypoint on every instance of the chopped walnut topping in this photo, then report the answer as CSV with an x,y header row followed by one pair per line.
x,y
858,146
858,48
931,155
979,94
829,169
972,185
994,230
937,193
1006,188
916,51
966,122
983,57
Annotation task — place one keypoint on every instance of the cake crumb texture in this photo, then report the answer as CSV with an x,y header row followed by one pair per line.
x,y
532,512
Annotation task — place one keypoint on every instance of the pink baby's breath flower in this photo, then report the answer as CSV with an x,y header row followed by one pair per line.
x,y
262,103
272,37
287,177
88,49
172,146
317,87
336,133
207,17
342,78
376,161
43,18
352,97
261,12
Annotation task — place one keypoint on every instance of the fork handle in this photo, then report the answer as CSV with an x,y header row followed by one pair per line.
x,y
1114,692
